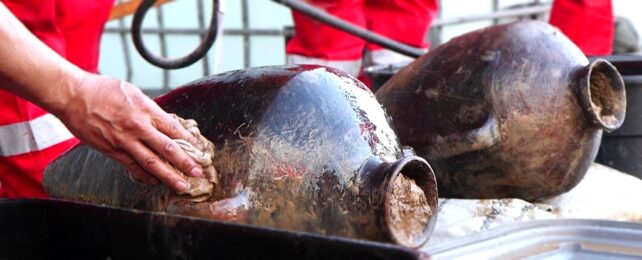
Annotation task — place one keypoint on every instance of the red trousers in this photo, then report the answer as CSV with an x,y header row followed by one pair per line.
x,y
406,21
30,138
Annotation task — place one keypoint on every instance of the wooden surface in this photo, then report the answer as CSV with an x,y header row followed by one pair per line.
x,y
128,8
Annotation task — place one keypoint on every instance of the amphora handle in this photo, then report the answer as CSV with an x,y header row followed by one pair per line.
x,y
477,139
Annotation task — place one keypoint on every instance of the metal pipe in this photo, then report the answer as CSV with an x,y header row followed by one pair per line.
x,y
495,9
123,41
201,26
499,14
437,31
331,20
245,21
193,31
534,10
163,44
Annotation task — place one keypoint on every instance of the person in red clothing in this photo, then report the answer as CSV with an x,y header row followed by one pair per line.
x,y
588,23
111,115
406,21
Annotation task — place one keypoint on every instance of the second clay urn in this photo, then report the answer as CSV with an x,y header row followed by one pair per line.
x,y
513,110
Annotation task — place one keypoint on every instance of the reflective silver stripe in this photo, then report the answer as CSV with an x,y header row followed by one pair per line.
x,y
387,57
29,136
349,66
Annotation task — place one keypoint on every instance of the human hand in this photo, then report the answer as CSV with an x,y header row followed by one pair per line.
x,y
116,118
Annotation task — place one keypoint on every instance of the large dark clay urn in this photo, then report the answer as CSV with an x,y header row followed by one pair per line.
x,y
305,148
513,110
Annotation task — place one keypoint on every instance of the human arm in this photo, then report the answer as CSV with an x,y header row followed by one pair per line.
x,y
110,115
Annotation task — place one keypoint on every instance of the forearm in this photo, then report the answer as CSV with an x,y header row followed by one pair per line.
x,y
32,70
111,115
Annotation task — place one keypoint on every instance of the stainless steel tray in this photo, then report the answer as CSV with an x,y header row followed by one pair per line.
x,y
548,239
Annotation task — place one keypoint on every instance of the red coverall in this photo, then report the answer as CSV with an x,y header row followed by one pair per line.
x,y
588,23
30,138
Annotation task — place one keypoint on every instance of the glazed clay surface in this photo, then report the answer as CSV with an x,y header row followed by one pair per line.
x,y
512,110
304,148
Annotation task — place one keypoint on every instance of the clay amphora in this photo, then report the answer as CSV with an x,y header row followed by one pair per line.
x,y
304,148
513,110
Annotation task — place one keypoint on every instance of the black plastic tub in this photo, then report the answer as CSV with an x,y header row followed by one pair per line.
x,y
380,74
52,229
622,149
623,153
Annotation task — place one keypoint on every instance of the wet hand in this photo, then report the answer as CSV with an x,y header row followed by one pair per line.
x,y
116,118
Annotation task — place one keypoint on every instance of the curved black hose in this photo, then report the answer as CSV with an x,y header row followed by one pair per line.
x,y
176,63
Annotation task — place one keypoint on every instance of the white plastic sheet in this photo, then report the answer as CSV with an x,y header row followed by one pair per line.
x,y
604,193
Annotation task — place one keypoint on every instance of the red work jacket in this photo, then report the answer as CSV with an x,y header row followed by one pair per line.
x,y
588,23
30,138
